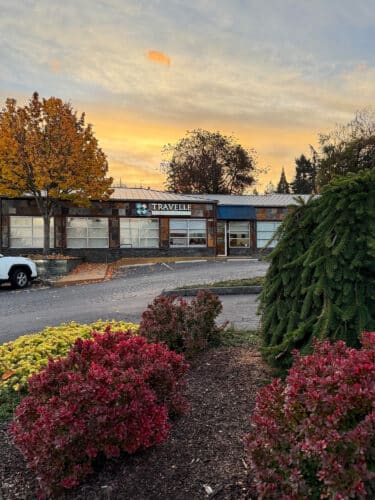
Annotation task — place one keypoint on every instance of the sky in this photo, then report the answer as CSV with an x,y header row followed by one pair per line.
x,y
272,73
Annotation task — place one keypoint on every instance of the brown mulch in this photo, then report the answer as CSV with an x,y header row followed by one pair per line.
x,y
88,267
56,256
204,457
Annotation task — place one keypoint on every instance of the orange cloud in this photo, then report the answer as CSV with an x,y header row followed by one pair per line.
x,y
134,143
132,175
159,57
55,66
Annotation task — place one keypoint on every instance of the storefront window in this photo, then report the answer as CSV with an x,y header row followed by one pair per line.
x,y
187,233
86,232
265,231
28,232
139,233
239,234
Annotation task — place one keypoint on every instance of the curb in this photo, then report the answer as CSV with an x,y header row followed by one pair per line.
x,y
60,284
228,290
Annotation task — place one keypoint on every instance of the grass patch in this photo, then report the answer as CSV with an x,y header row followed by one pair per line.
x,y
233,337
256,281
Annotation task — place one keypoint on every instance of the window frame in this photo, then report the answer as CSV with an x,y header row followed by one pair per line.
x,y
139,235
230,238
87,237
189,230
33,230
276,223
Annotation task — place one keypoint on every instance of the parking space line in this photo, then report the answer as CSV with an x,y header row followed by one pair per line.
x,y
166,265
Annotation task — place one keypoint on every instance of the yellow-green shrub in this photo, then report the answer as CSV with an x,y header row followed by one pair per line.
x,y
28,354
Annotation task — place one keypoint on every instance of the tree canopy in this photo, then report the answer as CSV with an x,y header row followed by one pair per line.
x,y
208,162
48,152
347,148
304,181
321,280
283,185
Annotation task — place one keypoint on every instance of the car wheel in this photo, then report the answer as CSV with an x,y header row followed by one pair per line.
x,y
19,278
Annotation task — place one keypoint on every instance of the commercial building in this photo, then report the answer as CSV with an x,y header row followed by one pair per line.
x,y
246,223
139,222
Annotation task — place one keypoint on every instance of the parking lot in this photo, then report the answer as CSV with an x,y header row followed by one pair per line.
x,y
123,297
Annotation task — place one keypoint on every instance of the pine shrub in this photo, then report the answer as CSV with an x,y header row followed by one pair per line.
x,y
112,393
321,279
313,435
184,326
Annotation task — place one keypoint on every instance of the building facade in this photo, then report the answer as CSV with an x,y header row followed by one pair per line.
x,y
142,222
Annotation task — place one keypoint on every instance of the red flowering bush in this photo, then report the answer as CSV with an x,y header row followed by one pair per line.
x,y
313,435
111,393
184,326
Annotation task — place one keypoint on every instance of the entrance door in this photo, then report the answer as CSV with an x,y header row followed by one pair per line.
x,y
221,238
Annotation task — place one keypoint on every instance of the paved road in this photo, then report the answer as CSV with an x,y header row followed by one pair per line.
x,y
124,297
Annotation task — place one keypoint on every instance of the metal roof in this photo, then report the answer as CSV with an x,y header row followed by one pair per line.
x,y
141,194
261,200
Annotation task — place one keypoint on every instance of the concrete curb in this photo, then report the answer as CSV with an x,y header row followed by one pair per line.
x,y
228,290
58,284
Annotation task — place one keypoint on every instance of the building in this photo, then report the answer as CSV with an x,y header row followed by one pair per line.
x,y
246,223
139,222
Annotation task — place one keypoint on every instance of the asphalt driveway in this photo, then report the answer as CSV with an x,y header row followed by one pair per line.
x,y
124,297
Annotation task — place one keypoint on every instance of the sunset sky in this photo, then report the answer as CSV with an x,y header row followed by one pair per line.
x,y
273,73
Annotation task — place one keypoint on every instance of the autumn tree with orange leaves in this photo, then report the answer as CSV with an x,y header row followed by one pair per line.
x,y
49,153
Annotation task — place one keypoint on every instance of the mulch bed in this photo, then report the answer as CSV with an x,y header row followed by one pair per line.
x,y
204,457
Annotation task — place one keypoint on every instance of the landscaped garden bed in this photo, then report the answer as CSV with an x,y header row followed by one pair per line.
x,y
204,456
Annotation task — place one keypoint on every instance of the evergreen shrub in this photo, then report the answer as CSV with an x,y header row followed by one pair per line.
x,y
321,279
112,393
184,326
313,435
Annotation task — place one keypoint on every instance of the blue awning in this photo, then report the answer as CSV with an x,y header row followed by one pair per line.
x,y
235,212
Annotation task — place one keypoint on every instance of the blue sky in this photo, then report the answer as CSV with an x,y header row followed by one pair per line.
x,y
274,73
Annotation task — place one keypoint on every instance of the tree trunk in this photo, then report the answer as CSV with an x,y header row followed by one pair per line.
x,y
47,223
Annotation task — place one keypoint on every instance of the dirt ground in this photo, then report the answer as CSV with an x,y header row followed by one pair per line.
x,y
204,457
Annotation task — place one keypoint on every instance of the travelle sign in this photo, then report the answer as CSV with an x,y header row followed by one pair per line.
x,y
170,208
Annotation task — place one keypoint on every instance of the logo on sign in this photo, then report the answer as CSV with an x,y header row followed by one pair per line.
x,y
141,208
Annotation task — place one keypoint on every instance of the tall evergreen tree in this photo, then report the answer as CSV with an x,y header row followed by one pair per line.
x,y
321,280
283,185
304,181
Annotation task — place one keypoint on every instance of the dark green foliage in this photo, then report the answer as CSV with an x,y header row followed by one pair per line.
x,y
304,181
283,185
9,400
208,162
321,281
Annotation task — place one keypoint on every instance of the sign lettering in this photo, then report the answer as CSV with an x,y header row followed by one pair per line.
x,y
170,208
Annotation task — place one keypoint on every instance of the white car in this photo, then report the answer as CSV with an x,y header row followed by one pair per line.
x,y
18,271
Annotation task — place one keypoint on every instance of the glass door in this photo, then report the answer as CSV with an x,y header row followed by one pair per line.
x,y
221,238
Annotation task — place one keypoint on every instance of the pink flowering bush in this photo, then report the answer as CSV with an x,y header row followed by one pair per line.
x,y
313,436
112,393
184,326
